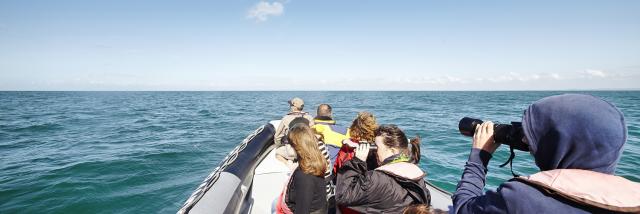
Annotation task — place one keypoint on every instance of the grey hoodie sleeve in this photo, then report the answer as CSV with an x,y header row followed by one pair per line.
x,y
468,197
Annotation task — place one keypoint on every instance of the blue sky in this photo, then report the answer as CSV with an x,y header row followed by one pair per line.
x,y
319,45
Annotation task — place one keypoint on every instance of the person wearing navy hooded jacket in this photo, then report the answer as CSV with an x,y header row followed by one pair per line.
x,y
576,141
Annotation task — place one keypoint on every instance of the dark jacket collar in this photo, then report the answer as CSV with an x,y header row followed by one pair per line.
x,y
324,120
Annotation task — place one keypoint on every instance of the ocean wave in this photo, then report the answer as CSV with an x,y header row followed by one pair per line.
x,y
141,121
43,127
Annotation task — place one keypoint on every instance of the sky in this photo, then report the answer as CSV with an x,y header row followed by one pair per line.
x,y
319,45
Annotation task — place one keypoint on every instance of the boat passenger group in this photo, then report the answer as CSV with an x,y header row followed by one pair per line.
x,y
576,141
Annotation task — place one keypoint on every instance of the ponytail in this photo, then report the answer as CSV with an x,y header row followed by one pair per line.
x,y
393,137
415,150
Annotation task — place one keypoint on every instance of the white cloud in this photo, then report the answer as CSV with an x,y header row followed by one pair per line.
x,y
595,73
535,77
555,76
453,79
263,10
513,76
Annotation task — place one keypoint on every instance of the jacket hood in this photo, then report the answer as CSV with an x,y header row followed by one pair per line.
x,y
575,131
404,170
410,177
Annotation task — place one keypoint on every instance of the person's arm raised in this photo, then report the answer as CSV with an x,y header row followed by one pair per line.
x,y
468,197
353,186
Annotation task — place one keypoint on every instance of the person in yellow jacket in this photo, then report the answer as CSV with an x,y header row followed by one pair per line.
x,y
330,133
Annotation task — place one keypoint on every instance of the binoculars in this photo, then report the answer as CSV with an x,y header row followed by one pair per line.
x,y
372,145
509,134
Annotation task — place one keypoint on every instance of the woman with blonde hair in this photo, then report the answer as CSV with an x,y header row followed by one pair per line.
x,y
305,191
362,130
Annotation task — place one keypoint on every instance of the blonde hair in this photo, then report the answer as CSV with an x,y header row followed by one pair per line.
x,y
363,127
304,141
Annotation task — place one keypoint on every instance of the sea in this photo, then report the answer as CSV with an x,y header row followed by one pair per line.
x,y
146,152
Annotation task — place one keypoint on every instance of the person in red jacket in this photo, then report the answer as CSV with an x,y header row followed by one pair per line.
x,y
362,129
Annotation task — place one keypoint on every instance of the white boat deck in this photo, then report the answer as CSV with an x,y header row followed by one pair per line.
x,y
268,181
439,198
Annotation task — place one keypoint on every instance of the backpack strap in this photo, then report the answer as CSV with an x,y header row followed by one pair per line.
x,y
298,113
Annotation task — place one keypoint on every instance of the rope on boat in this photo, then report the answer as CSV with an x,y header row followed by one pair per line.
x,y
213,177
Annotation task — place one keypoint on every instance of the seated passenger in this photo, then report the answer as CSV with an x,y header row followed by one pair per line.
x,y
295,110
285,153
305,190
330,133
576,141
390,188
362,129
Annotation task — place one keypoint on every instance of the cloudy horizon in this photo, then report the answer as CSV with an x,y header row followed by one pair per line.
x,y
319,46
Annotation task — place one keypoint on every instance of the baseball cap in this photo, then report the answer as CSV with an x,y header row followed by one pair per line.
x,y
297,102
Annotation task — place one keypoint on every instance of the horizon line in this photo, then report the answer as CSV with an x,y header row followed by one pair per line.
x,y
515,90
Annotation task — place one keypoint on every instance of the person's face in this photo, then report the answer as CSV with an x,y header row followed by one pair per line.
x,y
383,151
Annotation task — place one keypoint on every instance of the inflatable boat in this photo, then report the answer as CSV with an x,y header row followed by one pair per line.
x,y
250,178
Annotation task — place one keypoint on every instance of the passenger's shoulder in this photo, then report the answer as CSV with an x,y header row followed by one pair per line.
x,y
513,185
299,174
520,197
319,127
308,117
516,189
287,117
378,175
378,179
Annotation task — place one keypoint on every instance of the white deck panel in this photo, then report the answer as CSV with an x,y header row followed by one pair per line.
x,y
439,199
268,181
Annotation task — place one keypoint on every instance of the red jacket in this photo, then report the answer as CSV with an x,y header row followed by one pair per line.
x,y
345,154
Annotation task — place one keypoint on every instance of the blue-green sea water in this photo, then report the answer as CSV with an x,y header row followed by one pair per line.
x,y
145,152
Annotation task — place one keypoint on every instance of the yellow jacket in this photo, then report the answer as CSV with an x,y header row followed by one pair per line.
x,y
331,134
